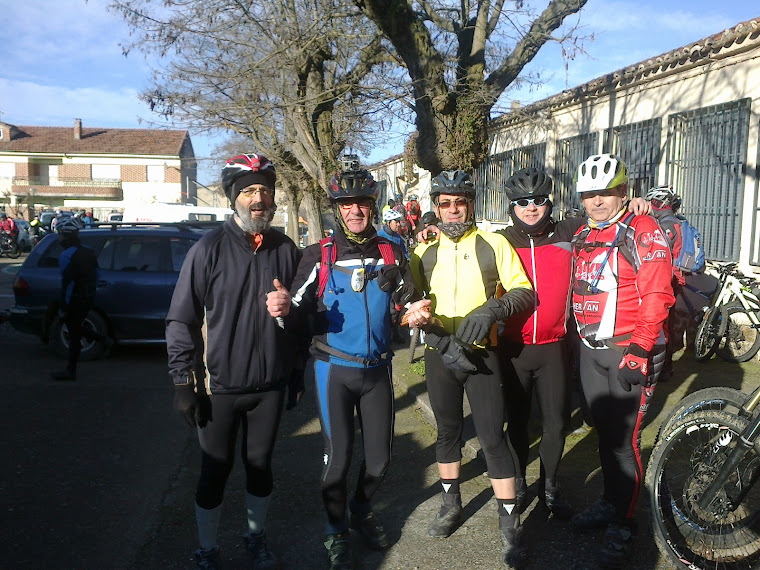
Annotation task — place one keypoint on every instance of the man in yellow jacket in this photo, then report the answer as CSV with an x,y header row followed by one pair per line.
x,y
464,274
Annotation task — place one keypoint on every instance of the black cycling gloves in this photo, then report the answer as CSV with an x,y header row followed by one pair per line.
x,y
194,408
634,367
453,352
478,322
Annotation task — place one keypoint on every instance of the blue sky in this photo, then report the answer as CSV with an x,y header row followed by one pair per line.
x,y
61,60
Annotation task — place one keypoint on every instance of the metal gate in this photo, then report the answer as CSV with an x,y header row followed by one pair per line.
x,y
638,144
491,201
569,154
707,154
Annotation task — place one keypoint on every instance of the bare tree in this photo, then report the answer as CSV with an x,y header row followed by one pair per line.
x,y
286,75
458,57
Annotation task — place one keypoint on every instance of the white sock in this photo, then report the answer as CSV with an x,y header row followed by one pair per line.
x,y
208,525
257,508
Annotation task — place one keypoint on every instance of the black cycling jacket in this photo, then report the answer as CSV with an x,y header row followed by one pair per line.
x,y
225,282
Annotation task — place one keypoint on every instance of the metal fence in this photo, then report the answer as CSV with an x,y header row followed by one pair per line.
x,y
707,153
570,152
638,144
491,200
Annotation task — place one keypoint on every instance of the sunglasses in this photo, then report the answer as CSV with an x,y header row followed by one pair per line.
x,y
363,203
459,202
525,202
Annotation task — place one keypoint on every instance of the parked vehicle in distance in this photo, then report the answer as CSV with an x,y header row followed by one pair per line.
x,y
24,240
139,266
114,217
175,213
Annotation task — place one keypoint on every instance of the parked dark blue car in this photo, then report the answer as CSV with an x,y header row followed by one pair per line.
x,y
139,266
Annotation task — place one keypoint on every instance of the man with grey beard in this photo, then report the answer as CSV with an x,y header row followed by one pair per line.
x,y
226,283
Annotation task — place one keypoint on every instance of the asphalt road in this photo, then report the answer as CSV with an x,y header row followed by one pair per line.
x,y
100,473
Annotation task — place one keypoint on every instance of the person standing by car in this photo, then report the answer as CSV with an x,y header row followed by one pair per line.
x,y
79,269
223,286
345,286
622,292
463,272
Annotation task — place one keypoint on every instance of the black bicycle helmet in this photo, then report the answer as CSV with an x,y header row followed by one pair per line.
x,y
454,182
245,169
354,183
429,218
527,183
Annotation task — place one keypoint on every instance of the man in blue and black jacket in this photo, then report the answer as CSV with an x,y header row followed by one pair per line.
x,y
345,287
224,285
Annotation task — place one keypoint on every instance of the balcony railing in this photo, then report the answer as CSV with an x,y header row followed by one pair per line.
x,y
67,182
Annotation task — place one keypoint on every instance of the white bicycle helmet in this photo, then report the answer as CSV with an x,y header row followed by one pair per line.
x,y
601,172
661,197
391,215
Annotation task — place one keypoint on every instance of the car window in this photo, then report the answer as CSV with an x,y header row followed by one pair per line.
x,y
50,257
179,248
137,253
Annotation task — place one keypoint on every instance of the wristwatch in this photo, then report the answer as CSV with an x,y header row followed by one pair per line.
x,y
182,379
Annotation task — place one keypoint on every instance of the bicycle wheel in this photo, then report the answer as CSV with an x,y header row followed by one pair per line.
x,y
13,251
414,343
713,398
725,535
707,335
741,340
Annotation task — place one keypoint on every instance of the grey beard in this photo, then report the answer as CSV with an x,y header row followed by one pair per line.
x,y
254,224
456,230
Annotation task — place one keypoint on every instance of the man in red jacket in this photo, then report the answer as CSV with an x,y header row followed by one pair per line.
x,y
622,271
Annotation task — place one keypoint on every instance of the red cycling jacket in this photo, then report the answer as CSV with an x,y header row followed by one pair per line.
x,y
547,260
8,225
622,296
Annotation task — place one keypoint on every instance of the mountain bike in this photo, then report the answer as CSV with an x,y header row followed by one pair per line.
x,y
702,476
9,247
730,324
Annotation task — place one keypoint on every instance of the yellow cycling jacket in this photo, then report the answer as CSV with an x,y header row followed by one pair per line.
x,y
460,276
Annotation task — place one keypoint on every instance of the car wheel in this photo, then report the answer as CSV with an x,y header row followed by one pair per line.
x,y
92,349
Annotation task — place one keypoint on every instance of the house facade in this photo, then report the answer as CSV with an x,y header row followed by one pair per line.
x,y
98,169
688,119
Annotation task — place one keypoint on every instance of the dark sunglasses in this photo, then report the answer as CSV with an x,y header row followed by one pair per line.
x,y
525,202
446,204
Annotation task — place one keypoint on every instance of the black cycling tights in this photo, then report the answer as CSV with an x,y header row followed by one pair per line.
x,y
543,368
618,417
485,394
340,390
259,415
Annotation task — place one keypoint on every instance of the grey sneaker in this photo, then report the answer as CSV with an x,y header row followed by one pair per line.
x,y
339,551
261,556
598,515
372,531
448,519
208,559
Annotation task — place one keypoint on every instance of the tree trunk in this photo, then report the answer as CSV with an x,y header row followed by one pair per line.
x,y
313,218
291,200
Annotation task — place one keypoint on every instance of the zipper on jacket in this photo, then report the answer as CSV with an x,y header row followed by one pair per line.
x,y
366,313
454,312
535,287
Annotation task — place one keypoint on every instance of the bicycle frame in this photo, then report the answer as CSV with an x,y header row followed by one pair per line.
x,y
747,441
730,288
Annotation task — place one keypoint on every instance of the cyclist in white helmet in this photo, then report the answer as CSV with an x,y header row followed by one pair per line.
x,y
391,225
622,291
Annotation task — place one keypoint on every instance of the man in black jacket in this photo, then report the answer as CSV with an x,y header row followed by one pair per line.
x,y
225,281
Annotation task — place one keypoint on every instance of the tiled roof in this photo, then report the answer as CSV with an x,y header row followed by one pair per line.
x,y
745,35
60,140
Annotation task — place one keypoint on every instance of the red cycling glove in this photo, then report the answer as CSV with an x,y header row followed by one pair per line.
x,y
634,367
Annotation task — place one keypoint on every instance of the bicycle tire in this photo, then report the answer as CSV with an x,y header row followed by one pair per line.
x,y
719,398
739,343
707,335
414,343
682,466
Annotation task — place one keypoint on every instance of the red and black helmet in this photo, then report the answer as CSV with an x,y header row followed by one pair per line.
x,y
245,169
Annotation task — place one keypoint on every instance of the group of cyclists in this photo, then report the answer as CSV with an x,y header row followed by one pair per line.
x,y
253,318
